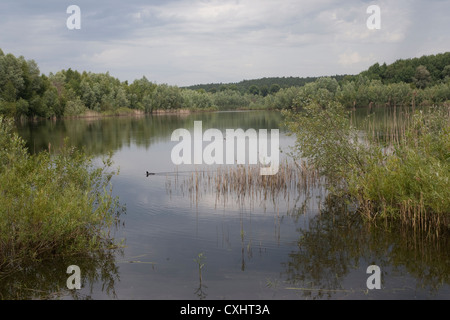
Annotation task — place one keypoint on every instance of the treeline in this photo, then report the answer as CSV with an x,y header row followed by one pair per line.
x,y
425,71
406,82
422,72
24,92
263,86
360,92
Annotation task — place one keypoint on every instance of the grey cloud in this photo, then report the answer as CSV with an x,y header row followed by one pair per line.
x,y
185,42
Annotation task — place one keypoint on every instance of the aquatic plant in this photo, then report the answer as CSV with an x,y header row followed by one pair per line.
x,y
400,174
245,183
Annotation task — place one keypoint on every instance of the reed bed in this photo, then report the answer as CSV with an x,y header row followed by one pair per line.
x,y
414,178
244,182
395,167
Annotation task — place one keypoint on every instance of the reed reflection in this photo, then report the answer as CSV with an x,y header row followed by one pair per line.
x,y
339,241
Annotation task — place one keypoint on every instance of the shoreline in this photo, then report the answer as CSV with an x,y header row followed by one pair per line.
x,y
125,112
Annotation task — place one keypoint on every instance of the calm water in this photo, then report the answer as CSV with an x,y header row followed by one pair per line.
x,y
295,246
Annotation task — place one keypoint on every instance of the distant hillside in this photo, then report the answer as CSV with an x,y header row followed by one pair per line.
x,y
260,86
423,71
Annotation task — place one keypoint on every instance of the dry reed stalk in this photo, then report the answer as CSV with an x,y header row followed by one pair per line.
x,y
244,182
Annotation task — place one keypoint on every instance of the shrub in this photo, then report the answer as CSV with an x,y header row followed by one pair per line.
x,y
406,178
51,204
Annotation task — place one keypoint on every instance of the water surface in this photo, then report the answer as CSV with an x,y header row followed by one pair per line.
x,y
304,245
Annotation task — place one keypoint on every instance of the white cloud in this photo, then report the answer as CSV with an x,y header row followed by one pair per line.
x,y
351,58
191,41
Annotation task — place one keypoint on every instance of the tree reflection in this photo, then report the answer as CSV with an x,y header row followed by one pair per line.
x,y
338,241
48,279
103,135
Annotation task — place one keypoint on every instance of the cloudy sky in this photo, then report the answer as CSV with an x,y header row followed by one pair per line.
x,y
184,42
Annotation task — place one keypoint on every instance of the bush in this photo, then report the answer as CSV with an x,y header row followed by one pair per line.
x,y
51,204
327,140
406,179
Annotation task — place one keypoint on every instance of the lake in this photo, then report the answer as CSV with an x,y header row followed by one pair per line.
x,y
182,243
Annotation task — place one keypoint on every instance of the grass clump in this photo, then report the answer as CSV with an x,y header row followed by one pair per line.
x,y
402,176
51,204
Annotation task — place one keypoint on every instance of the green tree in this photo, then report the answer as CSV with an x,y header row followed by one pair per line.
x,y
11,72
274,88
399,94
253,90
167,97
9,92
73,80
264,90
51,100
121,100
287,98
74,107
88,96
374,72
377,93
347,94
140,94
330,84
446,72
22,107
422,77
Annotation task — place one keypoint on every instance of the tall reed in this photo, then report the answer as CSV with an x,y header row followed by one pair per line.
x,y
399,171
245,183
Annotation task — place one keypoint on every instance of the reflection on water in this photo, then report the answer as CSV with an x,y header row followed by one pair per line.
x,y
48,278
244,184
100,136
337,242
192,235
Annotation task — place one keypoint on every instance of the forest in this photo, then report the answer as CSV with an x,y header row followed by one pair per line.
x,y
26,93
263,86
